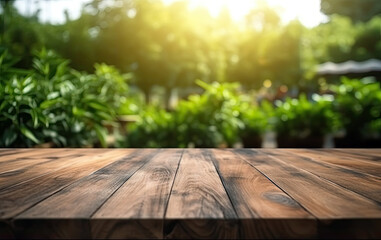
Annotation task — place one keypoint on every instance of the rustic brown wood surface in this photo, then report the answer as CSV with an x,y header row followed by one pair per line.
x,y
190,193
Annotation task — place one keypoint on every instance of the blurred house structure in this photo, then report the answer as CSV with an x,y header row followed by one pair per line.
x,y
352,69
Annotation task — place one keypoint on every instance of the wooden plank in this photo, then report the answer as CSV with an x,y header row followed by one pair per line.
x,y
28,153
72,207
199,206
368,167
322,198
365,151
7,168
20,163
18,176
137,209
363,154
266,211
364,184
11,151
367,155
18,198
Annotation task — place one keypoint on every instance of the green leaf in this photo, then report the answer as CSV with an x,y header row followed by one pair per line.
x,y
104,115
78,112
98,106
53,95
2,105
48,103
101,134
27,133
9,136
28,88
34,115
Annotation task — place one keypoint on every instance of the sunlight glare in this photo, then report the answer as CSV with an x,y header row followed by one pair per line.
x,y
308,12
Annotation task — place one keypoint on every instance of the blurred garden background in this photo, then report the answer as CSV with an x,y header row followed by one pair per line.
x,y
167,73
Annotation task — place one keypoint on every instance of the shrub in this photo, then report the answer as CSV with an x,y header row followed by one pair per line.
x,y
359,104
256,121
300,118
207,120
52,102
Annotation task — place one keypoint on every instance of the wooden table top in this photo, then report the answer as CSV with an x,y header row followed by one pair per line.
x,y
190,193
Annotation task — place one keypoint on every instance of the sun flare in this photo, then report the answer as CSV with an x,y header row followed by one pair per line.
x,y
308,12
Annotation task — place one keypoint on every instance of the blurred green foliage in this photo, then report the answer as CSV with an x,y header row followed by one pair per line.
x,y
257,120
302,118
52,102
357,10
222,117
207,120
69,98
166,45
359,105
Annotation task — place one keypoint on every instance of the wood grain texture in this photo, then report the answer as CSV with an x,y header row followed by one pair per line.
x,y
41,167
255,197
144,196
364,184
20,164
363,154
190,193
18,198
356,164
25,154
80,200
11,151
321,197
324,199
197,198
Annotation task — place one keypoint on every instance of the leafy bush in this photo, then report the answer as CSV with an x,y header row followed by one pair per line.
x,y
256,121
155,128
211,119
21,118
206,120
300,118
53,102
359,105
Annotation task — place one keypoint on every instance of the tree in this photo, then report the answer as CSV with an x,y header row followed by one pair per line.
x,y
357,10
20,35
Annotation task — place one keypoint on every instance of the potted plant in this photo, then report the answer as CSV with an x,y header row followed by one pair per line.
x,y
358,103
303,123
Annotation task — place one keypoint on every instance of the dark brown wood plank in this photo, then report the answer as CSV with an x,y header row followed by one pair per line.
x,y
37,157
18,198
199,206
322,198
266,211
137,209
7,168
11,151
42,167
217,194
71,208
29,153
363,154
356,164
364,184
